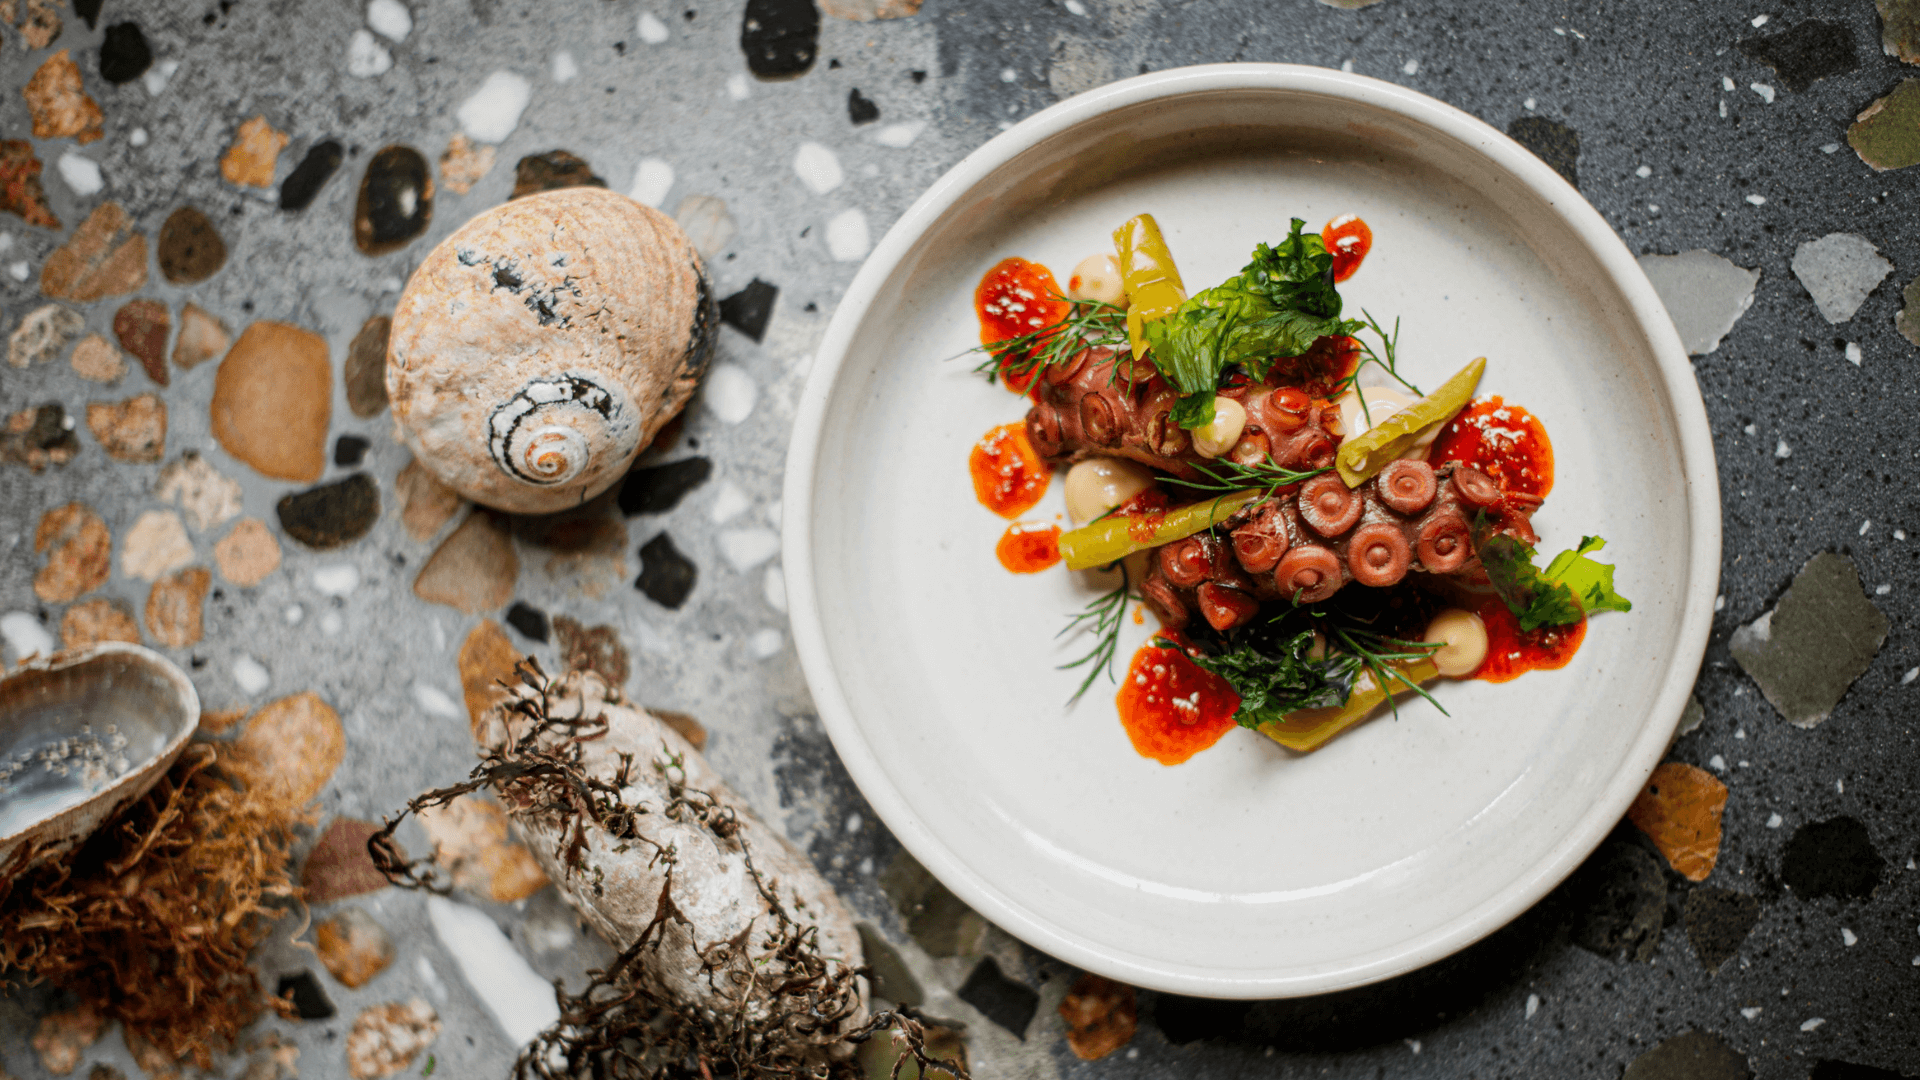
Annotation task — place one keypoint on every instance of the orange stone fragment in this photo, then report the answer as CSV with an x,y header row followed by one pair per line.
x,y
59,103
249,161
291,747
470,839
247,554
176,607
104,257
1679,810
426,503
273,399
487,658
473,569
94,621
78,549
134,430
1100,1016
202,337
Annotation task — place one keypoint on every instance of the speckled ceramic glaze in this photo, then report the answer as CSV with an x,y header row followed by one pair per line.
x,y
1249,871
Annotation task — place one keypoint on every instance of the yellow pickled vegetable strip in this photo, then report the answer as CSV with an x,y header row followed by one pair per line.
x,y
1309,729
1147,273
1367,453
1113,538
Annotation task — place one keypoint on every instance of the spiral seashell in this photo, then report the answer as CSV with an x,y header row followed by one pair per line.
x,y
538,349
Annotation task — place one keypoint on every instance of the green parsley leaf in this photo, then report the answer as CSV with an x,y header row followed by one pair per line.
x,y
1572,586
1267,664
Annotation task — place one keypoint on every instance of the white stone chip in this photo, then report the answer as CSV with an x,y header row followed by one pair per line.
x,y
1782,451
817,168
1530,104
652,179
1075,7
774,586
1704,293
1912,674
366,57
1533,1005
705,220
250,675
652,30
435,701
1813,1024
337,580
1726,83
521,1002
1757,200
1752,1012
1774,821
294,614
729,502
1854,355
390,19
745,549
156,77
730,393
82,174
1760,21
565,70
1766,92
1717,763
1723,108
765,644
899,136
738,88
1411,67
1008,75
1849,938
1643,171
491,113
847,239
1839,270
1882,589
25,635
1830,148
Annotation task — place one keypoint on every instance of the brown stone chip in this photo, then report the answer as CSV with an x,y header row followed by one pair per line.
x,y
474,568
487,659
59,103
470,839
689,728
93,621
247,554
38,437
425,502
199,490
42,24
273,399
354,947
869,10
79,552
133,430
464,164
191,250
20,190
1100,1016
175,607
292,746
104,257
96,360
366,372
249,161
1679,810
142,327
42,333
386,1038
339,866
156,545
202,337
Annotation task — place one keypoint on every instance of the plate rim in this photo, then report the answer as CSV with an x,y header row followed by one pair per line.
x,y
1698,468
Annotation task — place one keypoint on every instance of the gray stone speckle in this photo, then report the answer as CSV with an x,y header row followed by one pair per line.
x,y
1809,649
1704,293
1839,270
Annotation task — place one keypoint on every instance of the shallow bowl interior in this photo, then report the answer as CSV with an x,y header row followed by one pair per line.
x,y
1249,871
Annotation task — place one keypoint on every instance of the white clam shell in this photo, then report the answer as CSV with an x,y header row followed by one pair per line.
x,y
538,349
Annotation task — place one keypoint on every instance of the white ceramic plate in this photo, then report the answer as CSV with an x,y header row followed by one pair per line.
x,y
1248,871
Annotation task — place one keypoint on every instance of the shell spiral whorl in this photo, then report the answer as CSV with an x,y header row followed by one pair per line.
x,y
543,434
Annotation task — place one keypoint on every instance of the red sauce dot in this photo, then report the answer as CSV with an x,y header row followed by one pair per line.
x,y
1008,477
1029,547
1504,441
1349,239
1171,707
1016,297
1512,653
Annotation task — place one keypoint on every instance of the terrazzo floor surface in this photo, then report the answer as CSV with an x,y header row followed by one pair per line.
x,y
1691,127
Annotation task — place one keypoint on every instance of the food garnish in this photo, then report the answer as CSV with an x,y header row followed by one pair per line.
x,y
1111,539
1568,590
1365,454
1152,281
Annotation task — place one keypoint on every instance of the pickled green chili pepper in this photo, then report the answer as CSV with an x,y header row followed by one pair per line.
x,y
1113,538
1147,273
1309,729
1367,453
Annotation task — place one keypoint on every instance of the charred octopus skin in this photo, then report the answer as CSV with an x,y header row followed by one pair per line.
x,y
1306,543
1105,403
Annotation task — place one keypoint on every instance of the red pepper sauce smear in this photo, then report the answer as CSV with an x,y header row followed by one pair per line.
x,y
1171,707
1016,297
1349,239
1504,441
1146,511
1008,477
1029,547
1512,652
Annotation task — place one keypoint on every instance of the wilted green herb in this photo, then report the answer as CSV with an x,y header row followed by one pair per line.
x,y
1572,586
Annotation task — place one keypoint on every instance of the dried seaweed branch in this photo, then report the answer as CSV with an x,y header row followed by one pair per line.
x,y
623,1025
151,921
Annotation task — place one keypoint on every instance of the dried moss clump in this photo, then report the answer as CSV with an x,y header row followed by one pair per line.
x,y
151,921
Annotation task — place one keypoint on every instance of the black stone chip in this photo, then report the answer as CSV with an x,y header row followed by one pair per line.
x,y
659,488
1690,1055
551,171
1847,1070
666,576
1834,857
88,10
124,55
1000,999
395,204
310,1001
297,191
1620,897
860,108
1189,1019
529,620
1718,921
780,38
749,310
918,76
350,450
1552,142
331,515
1805,53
